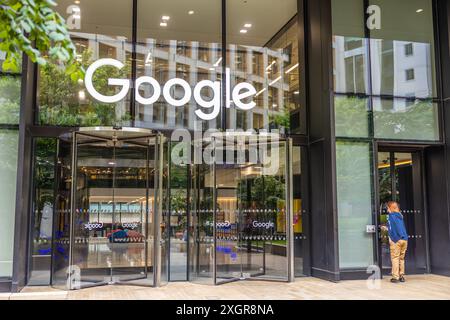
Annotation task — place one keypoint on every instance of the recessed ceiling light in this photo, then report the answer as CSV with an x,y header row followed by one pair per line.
x,y
243,31
247,25
165,17
77,1
419,10
191,12
163,24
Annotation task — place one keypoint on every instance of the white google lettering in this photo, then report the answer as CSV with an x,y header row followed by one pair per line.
x,y
112,82
130,225
241,91
224,224
93,225
266,225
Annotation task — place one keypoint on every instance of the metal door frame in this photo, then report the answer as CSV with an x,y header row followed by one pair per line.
x,y
290,268
157,208
392,149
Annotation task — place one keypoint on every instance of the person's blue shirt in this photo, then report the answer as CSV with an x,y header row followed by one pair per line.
x,y
396,227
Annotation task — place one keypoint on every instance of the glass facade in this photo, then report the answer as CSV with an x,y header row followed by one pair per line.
x,y
271,63
385,86
8,169
354,198
61,102
188,46
166,40
392,65
10,84
43,208
384,77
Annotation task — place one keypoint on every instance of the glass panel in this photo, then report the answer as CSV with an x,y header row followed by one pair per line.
x,y
110,235
406,119
351,116
93,216
300,219
9,99
402,50
178,39
408,180
99,29
9,140
349,47
131,250
44,200
262,50
354,198
251,219
406,189
264,221
385,193
229,191
202,229
179,175
164,225
62,218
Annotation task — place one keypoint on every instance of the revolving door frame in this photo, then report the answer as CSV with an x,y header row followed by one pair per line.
x,y
156,210
288,188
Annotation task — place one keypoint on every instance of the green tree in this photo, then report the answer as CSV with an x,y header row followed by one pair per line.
x,y
281,119
266,191
351,116
33,27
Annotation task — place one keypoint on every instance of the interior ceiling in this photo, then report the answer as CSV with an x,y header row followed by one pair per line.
x,y
113,17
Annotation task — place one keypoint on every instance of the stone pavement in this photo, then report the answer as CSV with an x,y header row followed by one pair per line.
x,y
416,287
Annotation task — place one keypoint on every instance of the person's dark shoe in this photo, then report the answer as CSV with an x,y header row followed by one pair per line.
x,y
393,280
402,279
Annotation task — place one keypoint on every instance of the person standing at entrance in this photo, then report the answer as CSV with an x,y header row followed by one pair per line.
x,y
398,240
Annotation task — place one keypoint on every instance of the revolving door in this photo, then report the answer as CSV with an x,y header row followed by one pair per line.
x,y
111,208
241,210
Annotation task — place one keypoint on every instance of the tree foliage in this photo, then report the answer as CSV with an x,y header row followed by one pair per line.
x,y
33,27
266,192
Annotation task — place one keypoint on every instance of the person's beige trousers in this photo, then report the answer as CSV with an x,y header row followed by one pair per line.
x,y
398,252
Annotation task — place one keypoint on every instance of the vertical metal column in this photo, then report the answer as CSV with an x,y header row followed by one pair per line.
x,y
289,209
157,212
214,206
73,186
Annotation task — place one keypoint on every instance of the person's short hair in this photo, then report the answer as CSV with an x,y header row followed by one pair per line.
x,y
390,204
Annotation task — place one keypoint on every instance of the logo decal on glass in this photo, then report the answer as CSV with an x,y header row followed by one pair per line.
x,y
240,91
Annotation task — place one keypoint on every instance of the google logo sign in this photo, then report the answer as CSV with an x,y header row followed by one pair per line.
x,y
240,91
